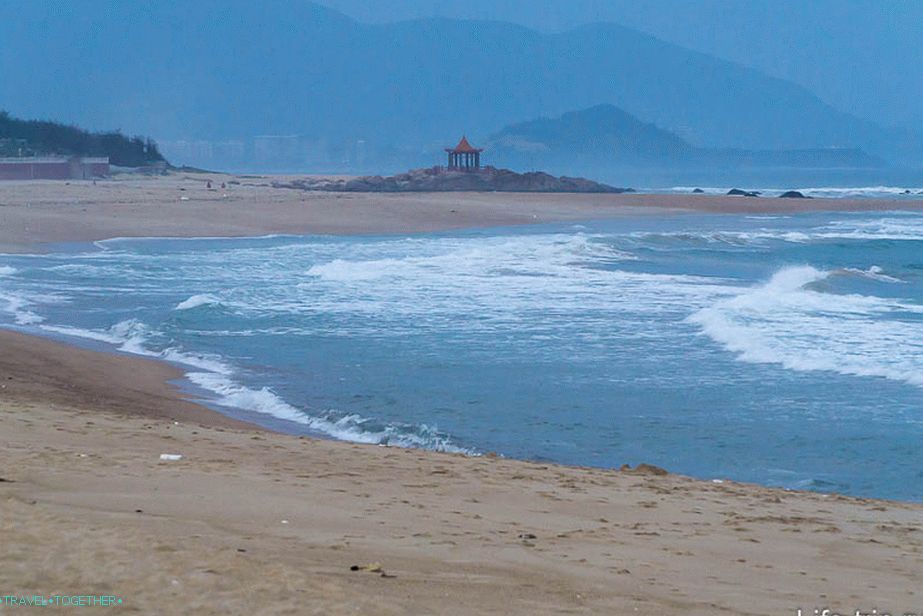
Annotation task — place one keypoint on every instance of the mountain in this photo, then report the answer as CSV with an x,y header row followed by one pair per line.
x,y
392,94
600,135
861,56
604,137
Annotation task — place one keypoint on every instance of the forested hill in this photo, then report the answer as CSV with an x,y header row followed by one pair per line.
x,y
40,138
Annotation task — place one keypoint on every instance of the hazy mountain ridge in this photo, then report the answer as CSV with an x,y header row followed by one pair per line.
x,y
605,137
404,90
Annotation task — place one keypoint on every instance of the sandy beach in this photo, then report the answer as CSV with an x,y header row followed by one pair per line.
x,y
180,205
254,522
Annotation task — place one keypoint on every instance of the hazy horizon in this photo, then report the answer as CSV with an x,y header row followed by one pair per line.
x,y
356,87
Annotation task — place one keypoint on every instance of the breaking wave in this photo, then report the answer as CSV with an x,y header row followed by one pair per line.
x,y
197,300
350,427
786,321
214,375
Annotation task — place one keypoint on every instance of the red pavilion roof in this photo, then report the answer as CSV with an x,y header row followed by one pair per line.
x,y
464,147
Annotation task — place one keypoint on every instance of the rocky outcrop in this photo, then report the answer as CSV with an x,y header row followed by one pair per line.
x,y
437,179
793,194
736,192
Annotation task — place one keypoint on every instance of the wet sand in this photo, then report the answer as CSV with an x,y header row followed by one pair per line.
x,y
251,522
180,205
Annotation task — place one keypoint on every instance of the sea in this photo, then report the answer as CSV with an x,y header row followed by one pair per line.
x,y
781,350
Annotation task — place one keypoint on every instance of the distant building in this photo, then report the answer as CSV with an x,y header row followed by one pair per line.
x,y
53,168
276,149
464,157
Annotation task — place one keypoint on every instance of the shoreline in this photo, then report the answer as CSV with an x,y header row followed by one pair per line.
x,y
164,392
203,405
45,368
37,214
161,390
252,521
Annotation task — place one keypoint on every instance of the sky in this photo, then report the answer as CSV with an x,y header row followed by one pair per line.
x,y
861,56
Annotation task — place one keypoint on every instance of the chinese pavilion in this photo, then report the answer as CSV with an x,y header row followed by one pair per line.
x,y
464,157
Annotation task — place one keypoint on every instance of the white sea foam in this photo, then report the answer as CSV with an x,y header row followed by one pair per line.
x,y
108,243
873,273
886,228
6,270
350,427
18,307
498,279
786,322
892,227
133,336
197,300
215,375
79,332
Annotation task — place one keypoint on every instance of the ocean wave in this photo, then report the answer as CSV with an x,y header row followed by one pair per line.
x,y
786,321
105,244
542,255
197,300
20,304
892,227
350,427
17,306
6,270
213,374
134,337
873,273
731,238
887,228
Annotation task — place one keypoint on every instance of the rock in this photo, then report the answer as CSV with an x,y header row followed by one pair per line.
x,y
437,179
650,469
698,190
793,194
736,192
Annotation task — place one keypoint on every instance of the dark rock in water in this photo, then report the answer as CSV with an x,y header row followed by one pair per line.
x,y
437,179
906,191
697,190
794,194
736,192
